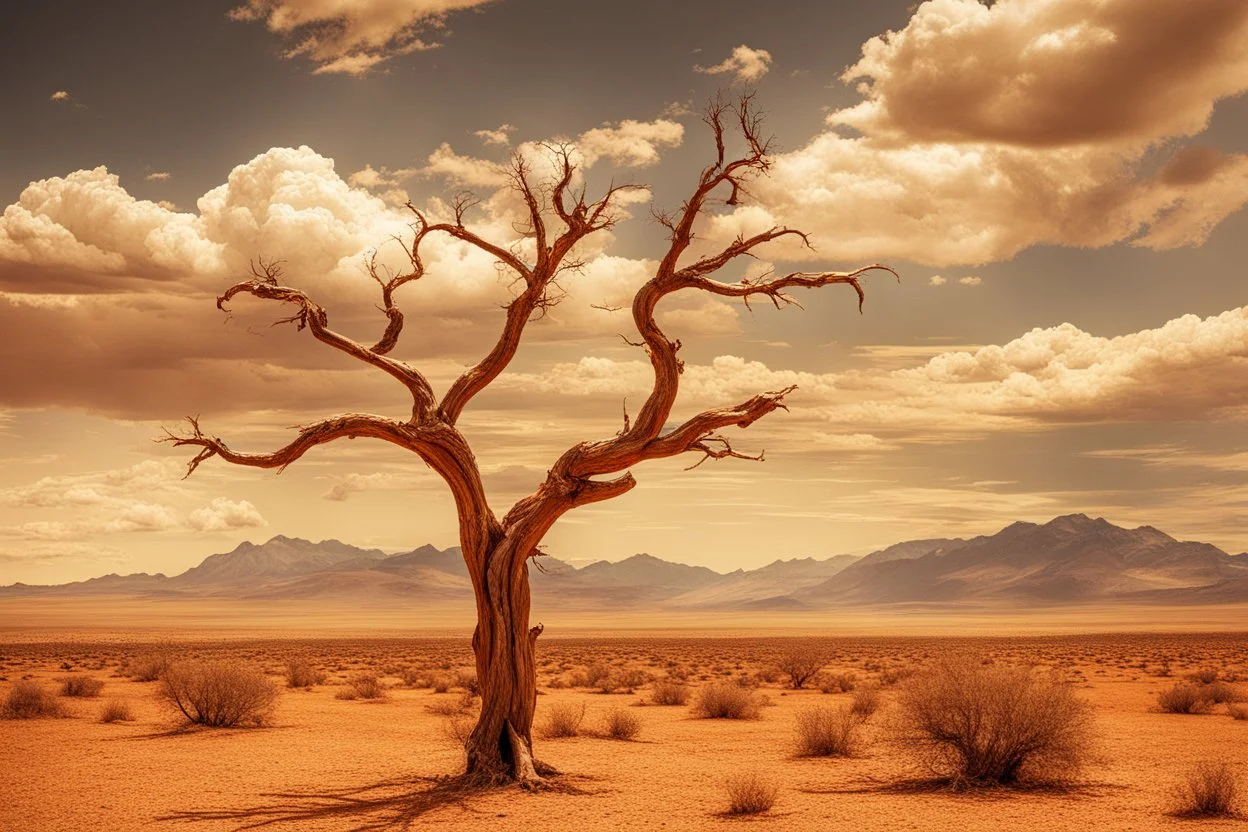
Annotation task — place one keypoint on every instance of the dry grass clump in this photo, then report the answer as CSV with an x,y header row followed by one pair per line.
x,y
562,719
667,692
1208,790
867,701
81,686
301,674
29,700
451,707
457,729
621,724
838,682
218,694
749,793
362,685
1184,698
800,667
116,710
824,731
1237,711
976,724
725,700
148,667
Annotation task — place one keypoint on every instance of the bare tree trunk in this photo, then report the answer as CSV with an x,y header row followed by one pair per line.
x,y
500,748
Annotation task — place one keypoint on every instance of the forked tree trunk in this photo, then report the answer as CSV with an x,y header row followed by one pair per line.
x,y
500,748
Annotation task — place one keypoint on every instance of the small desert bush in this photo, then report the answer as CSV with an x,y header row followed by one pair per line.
x,y
838,682
29,700
457,729
467,681
148,667
749,793
1205,676
1209,790
116,710
621,724
1184,698
724,700
800,667
84,686
563,719
413,678
978,724
451,707
1237,711
824,731
440,684
365,686
301,674
867,701
667,692
218,694
1220,693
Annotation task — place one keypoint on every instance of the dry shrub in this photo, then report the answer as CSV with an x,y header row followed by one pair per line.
x,y
468,682
838,682
218,694
749,793
725,700
116,710
895,675
1184,698
1205,676
977,724
1220,693
800,667
1237,711
867,701
457,729
29,700
824,731
84,686
301,674
563,719
414,678
440,684
1209,790
148,667
365,686
450,707
667,692
621,724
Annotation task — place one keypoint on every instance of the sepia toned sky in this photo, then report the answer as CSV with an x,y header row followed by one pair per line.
x,y
1059,183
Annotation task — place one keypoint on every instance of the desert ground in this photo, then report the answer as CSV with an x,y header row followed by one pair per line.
x,y
323,762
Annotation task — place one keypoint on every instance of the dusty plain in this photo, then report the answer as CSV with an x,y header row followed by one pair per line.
x,y
329,764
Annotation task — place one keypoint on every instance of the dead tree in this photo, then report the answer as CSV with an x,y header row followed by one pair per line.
x,y
496,551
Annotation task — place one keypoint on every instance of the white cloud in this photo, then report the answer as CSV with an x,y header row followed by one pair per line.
x,y
985,130
223,514
629,143
499,136
970,280
159,176
936,280
60,95
745,64
352,37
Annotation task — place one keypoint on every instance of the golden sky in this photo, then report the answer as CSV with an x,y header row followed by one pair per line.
x,y
1059,184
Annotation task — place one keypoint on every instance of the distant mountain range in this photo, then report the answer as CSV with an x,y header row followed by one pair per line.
x,y
1071,559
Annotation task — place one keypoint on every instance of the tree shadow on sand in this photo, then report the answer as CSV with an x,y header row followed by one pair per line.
x,y
387,805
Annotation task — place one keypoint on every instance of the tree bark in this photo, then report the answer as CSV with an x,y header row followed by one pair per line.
x,y
500,748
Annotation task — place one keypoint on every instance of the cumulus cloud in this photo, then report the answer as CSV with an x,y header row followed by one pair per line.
x,y
352,37
159,176
630,143
223,514
745,64
60,95
970,280
1189,368
936,280
985,130
499,136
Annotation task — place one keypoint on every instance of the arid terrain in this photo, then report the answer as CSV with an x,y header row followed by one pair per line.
x,y
323,762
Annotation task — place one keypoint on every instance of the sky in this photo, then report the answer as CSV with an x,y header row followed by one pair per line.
x,y
1058,183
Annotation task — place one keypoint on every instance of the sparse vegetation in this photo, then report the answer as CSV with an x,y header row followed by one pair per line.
x,y
749,793
562,719
976,724
621,724
300,673
218,694
724,700
866,701
1208,790
800,666
838,682
81,686
1184,698
147,667
116,710
29,700
825,731
667,692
